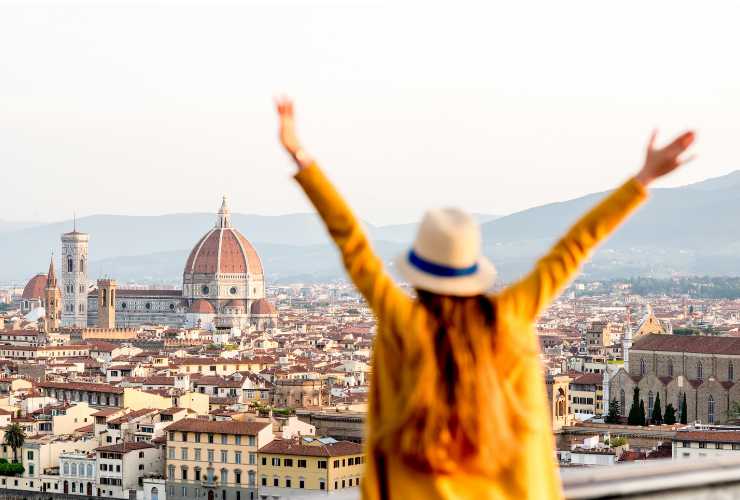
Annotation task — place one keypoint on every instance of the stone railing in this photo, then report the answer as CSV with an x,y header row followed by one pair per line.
x,y
665,479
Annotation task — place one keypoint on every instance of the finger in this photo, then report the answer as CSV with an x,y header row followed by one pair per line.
x,y
651,141
680,144
686,159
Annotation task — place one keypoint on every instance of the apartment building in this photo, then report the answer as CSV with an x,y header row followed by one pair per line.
x,y
214,459
289,467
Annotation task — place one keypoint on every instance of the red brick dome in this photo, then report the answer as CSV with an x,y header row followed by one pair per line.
x,y
263,307
202,306
35,287
224,250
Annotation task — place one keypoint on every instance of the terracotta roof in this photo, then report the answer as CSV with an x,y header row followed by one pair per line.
x,y
315,449
125,447
132,415
84,386
263,306
218,427
688,343
202,306
589,379
224,248
709,436
35,287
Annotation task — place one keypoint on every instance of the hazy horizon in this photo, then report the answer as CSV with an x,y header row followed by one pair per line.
x,y
149,110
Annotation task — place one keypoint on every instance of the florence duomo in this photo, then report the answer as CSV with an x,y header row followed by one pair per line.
x,y
223,287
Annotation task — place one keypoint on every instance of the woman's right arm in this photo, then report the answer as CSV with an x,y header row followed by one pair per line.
x,y
527,298
364,267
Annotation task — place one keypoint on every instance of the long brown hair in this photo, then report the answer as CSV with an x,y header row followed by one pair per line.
x,y
458,413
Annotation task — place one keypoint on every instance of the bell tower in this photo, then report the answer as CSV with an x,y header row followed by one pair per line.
x,y
52,300
106,303
74,279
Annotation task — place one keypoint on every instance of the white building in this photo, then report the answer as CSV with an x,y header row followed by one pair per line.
x,y
122,466
703,443
74,279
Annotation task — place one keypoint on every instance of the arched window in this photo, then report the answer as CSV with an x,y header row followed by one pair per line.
x,y
622,409
730,372
224,476
643,369
66,468
155,494
82,265
105,298
699,371
74,469
670,367
710,409
89,470
651,400
70,265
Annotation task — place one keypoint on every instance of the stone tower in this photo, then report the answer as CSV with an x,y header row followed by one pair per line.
x,y
106,303
74,279
627,341
52,300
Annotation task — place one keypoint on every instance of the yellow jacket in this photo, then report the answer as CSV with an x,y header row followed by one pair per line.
x,y
533,474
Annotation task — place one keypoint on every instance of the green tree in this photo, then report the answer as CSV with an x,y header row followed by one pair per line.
x,y
642,415
634,415
684,410
657,417
617,441
15,437
669,418
613,416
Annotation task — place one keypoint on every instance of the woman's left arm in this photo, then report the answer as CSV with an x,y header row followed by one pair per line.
x,y
528,297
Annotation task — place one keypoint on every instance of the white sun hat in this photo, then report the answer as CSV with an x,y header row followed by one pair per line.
x,y
446,256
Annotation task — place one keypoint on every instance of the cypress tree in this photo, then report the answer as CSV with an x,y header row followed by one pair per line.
x,y
684,410
634,416
670,415
643,419
657,417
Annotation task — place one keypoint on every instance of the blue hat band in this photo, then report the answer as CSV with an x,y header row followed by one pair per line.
x,y
439,270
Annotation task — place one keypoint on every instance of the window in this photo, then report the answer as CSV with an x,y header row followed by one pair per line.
x,y
141,466
264,481
718,446
184,436
344,484
287,482
336,464
710,409
251,440
252,458
183,454
322,486
702,445
651,400
210,438
275,481
237,457
643,369
224,439
699,371
197,454
197,437
302,463
731,372
141,454
30,455
237,439
197,473
224,456
171,453
275,462
184,473
70,265
264,461
171,472
288,462
621,402
670,367
322,464
237,476
224,476
30,470
210,455
301,484
65,468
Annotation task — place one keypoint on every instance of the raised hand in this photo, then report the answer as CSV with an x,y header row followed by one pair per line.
x,y
659,162
288,137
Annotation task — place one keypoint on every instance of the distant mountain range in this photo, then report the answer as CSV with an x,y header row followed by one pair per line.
x,y
684,230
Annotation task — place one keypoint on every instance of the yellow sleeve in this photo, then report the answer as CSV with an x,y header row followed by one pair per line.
x,y
527,298
364,267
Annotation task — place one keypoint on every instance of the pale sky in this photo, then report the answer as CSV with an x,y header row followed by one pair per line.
x,y
492,106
